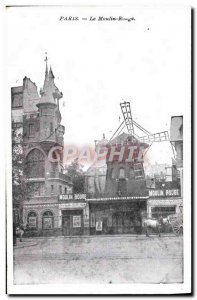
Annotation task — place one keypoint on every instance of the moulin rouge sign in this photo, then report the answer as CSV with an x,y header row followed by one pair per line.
x,y
72,197
164,193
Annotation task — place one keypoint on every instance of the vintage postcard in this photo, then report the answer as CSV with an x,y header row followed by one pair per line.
x,y
99,139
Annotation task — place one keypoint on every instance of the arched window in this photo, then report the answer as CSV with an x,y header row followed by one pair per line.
x,y
122,173
35,164
47,220
32,220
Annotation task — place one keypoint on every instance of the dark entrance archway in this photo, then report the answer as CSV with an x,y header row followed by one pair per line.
x,y
72,222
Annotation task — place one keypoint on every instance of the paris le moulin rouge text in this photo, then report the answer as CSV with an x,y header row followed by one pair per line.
x,y
99,18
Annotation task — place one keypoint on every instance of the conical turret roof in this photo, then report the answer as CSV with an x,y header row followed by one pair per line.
x,y
49,93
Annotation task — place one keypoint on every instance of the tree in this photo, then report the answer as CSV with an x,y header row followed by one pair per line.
x,y
17,172
75,171
21,188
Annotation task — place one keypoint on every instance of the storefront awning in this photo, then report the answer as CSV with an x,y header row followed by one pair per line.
x,y
114,199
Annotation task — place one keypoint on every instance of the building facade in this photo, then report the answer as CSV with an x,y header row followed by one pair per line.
x,y
166,198
116,197
38,118
121,206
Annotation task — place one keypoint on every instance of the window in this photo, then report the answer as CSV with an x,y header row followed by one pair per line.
x,y
163,211
60,189
181,150
52,189
31,130
17,100
47,220
112,173
51,127
17,124
122,173
32,220
65,190
34,167
138,171
36,189
131,173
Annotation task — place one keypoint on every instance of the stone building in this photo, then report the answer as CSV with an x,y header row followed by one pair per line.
x,y
166,197
39,120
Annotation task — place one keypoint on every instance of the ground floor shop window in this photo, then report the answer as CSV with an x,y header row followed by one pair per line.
x,y
32,220
76,221
47,220
163,211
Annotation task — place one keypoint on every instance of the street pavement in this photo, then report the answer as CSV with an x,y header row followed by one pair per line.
x,y
99,259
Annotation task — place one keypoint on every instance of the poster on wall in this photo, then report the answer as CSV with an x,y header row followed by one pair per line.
x,y
32,222
99,225
47,223
76,221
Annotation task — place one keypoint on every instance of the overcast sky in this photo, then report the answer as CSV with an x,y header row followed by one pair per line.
x,y
98,64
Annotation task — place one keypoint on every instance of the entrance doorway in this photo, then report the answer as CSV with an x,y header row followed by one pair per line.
x,y
126,222
72,222
66,225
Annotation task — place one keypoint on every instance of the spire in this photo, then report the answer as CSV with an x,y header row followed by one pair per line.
x,y
46,59
51,73
49,93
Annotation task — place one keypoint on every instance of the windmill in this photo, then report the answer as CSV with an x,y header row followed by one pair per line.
x,y
131,125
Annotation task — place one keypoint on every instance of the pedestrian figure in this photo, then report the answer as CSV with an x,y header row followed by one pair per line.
x,y
19,232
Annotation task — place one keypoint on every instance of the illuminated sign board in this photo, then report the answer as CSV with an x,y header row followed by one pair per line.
x,y
164,193
72,205
72,197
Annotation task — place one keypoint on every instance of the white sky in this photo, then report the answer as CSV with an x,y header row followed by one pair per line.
x,y
97,64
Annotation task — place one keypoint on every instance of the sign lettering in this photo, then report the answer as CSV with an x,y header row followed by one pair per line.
x,y
164,193
72,197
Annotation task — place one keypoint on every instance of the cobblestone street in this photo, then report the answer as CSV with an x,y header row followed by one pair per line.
x,y
100,259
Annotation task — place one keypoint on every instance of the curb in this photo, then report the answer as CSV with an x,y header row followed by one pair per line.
x,y
25,245
98,236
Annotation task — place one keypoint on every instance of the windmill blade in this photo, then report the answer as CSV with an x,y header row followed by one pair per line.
x,y
126,111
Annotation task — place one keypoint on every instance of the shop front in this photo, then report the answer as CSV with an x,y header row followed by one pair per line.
x,y
163,203
74,218
72,222
121,215
164,207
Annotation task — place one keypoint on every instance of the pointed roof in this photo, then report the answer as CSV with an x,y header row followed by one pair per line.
x,y
49,93
51,73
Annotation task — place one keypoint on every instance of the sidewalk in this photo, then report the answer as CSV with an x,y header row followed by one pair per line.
x,y
138,236
25,243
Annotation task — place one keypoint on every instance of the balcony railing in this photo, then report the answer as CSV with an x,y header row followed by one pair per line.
x,y
65,177
41,199
57,174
